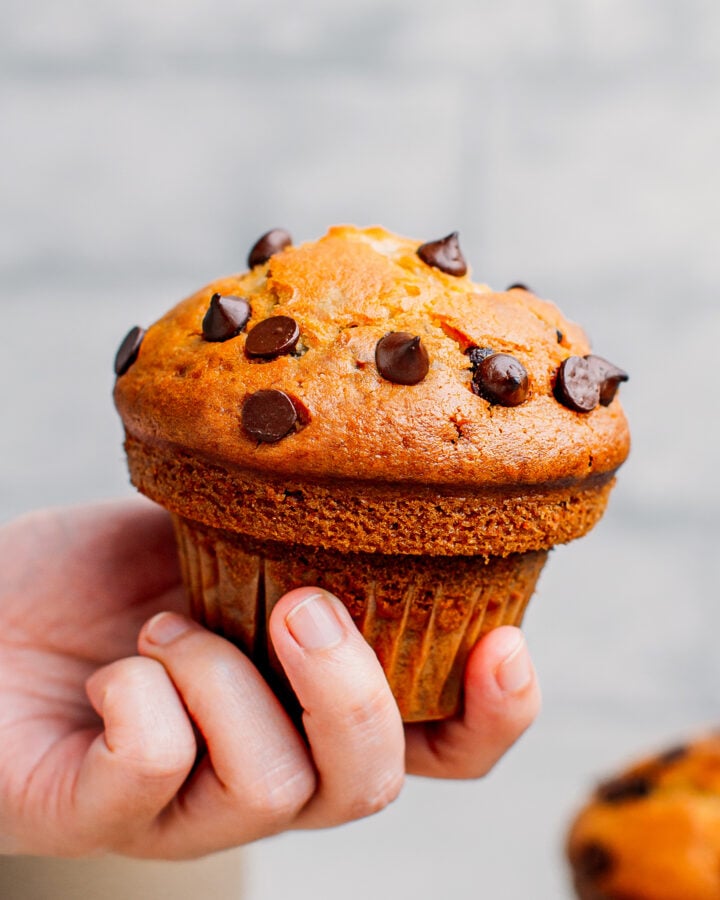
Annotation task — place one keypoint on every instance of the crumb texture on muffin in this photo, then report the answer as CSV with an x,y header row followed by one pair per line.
x,y
374,518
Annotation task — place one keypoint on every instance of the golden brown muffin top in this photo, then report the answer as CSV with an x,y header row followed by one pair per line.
x,y
346,292
653,832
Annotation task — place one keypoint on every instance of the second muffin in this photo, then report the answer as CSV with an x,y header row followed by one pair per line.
x,y
652,832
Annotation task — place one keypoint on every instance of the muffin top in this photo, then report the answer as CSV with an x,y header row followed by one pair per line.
x,y
372,357
653,831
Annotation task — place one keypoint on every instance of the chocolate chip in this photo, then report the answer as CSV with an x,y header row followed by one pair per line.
x,y
576,385
271,242
500,378
629,787
592,860
478,354
272,337
444,254
129,349
402,358
268,415
673,754
226,317
559,335
518,286
609,377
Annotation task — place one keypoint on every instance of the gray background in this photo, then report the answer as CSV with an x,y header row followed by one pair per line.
x,y
574,144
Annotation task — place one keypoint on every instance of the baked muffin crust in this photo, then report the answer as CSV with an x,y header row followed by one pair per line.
x,y
652,832
493,479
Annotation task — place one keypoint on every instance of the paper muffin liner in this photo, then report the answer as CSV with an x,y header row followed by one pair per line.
x,y
421,614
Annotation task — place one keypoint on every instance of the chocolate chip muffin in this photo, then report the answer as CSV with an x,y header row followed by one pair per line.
x,y
653,832
356,413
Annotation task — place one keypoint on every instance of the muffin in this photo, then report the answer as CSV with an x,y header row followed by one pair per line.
x,y
357,414
653,831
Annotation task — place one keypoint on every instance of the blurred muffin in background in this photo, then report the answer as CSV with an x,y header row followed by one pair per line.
x,y
652,832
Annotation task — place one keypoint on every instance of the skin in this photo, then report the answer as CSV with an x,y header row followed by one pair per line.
x,y
126,727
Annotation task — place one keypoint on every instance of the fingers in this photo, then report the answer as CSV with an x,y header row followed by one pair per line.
x,y
502,698
259,777
257,774
351,719
135,767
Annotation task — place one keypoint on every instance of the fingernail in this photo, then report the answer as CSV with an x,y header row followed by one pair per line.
x,y
165,627
515,672
313,623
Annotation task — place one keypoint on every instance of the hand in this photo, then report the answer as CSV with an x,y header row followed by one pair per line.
x,y
126,727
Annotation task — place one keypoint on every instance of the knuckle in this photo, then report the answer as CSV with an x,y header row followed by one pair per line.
x,y
153,758
281,794
386,790
373,722
149,750
370,713
470,759
157,762
131,674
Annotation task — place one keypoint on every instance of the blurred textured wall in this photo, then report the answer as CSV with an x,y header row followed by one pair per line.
x,y
573,143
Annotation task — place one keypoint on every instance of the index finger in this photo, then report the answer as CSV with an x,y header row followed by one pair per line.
x,y
351,719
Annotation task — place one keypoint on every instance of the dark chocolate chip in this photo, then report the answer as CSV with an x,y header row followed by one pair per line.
x,y
576,385
271,242
444,254
478,354
226,317
592,861
129,349
609,377
268,415
272,337
673,754
402,358
500,378
629,787
559,335
518,286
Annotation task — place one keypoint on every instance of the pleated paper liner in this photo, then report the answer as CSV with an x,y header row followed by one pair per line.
x,y
421,614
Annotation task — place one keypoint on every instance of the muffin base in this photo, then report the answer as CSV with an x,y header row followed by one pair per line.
x,y
372,517
421,614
